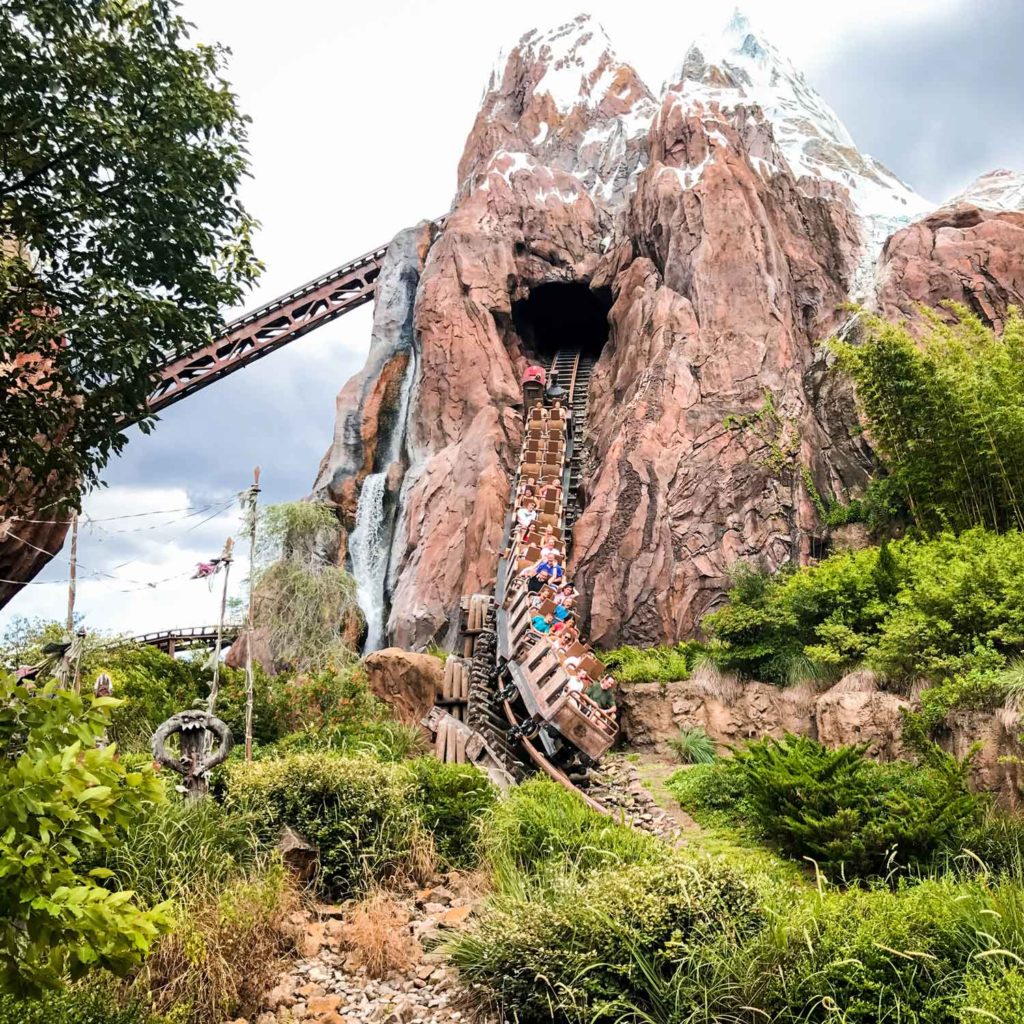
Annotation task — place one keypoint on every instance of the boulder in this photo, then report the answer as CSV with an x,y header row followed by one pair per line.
x,y
408,681
848,714
961,252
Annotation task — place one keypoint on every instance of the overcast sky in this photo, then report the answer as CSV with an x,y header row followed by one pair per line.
x,y
359,115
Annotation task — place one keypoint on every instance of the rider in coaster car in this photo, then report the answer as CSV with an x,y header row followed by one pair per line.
x,y
542,623
536,582
526,513
601,694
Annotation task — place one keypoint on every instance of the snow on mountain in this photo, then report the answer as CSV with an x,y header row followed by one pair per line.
x,y
577,65
997,190
567,100
741,66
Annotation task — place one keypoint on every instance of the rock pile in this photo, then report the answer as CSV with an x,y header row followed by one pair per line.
x,y
617,785
330,984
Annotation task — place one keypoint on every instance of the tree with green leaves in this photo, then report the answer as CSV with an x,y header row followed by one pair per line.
x,y
946,413
122,149
63,803
304,605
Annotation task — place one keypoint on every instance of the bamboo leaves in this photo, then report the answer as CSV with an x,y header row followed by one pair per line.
x,y
946,414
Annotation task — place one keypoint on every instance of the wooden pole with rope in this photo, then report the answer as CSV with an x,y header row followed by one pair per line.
x,y
72,574
254,491
215,685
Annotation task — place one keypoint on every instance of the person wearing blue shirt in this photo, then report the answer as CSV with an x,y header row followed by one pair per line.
x,y
542,623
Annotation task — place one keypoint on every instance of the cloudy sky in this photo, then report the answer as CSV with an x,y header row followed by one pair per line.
x,y
359,116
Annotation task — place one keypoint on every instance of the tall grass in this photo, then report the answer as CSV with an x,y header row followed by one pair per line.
x,y
541,829
180,847
693,746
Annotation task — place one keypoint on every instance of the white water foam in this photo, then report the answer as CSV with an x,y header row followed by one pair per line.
x,y
370,542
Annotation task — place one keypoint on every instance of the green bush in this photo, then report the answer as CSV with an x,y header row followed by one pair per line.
x,y
693,746
63,803
80,1005
854,817
539,824
713,794
153,686
938,608
865,956
994,996
358,812
451,800
583,948
653,664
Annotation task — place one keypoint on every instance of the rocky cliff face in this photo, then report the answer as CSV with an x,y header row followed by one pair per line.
x,y
717,230
961,252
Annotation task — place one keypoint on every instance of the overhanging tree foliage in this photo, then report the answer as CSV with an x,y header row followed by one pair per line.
x,y
946,414
121,153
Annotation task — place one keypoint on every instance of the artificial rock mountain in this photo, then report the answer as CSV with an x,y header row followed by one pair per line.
x,y
719,229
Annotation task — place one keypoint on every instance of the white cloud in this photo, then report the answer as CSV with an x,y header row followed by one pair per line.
x,y
134,568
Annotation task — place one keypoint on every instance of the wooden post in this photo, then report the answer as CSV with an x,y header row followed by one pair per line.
x,y
79,648
215,685
253,493
73,574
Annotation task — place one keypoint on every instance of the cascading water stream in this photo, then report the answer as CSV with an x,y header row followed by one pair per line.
x,y
370,541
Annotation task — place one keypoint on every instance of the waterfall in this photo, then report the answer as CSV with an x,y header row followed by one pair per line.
x,y
370,542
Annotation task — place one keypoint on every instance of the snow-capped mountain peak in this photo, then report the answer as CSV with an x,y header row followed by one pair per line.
x,y
740,66
576,61
563,99
997,190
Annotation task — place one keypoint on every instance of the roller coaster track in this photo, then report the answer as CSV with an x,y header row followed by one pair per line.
x,y
488,712
167,640
269,328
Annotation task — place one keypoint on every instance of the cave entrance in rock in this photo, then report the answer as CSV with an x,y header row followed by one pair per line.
x,y
561,315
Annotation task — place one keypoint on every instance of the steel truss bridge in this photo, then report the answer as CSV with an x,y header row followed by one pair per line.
x,y
269,328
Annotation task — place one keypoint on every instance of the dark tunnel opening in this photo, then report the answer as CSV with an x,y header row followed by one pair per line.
x,y
561,315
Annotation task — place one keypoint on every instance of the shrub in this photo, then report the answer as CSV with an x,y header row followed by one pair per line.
x,y
539,823
714,793
63,802
693,746
451,800
358,812
938,608
85,1004
853,817
226,949
333,708
153,686
653,664
994,995
865,956
583,950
